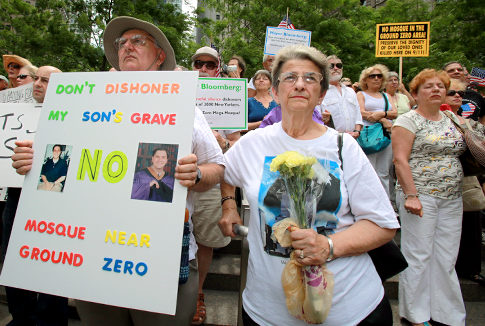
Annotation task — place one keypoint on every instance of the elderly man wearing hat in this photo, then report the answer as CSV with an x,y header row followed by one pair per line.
x,y
12,64
131,44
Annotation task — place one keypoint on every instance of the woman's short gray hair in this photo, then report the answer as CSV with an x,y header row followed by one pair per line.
x,y
263,72
301,52
393,74
366,72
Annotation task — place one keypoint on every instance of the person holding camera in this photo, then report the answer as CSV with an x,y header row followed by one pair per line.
x,y
235,67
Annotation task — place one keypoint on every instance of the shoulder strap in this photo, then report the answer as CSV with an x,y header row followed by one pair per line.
x,y
340,143
386,101
454,120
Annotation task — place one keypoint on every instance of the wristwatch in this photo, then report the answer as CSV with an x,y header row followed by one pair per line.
x,y
199,176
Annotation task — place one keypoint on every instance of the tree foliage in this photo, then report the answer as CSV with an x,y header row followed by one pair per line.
x,y
347,29
68,34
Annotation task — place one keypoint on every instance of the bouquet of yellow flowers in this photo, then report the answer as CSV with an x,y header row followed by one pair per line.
x,y
308,289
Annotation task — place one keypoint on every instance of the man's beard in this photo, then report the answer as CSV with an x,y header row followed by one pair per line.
x,y
334,78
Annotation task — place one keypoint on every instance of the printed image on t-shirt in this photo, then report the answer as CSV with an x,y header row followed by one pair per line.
x,y
274,203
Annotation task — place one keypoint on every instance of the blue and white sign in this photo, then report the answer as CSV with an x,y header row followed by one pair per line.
x,y
277,38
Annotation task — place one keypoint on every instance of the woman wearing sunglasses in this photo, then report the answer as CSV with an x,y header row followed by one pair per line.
x,y
372,103
468,263
25,75
12,64
454,95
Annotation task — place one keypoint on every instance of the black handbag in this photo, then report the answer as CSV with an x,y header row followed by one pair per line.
x,y
388,258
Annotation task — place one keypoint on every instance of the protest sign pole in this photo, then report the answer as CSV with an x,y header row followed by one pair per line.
x,y
400,69
287,14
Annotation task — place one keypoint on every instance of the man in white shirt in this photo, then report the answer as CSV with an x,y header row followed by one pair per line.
x,y
207,204
340,103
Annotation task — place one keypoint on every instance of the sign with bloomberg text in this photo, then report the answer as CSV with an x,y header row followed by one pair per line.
x,y
20,94
277,38
100,216
402,39
18,121
224,102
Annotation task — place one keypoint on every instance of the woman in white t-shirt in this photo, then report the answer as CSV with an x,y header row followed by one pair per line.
x,y
355,217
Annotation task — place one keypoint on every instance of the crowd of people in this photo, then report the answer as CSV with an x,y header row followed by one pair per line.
x,y
299,101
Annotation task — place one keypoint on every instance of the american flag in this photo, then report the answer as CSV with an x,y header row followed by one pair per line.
x,y
467,110
478,75
286,23
218,72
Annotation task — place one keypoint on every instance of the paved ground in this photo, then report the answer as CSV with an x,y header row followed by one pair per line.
x,y
475,312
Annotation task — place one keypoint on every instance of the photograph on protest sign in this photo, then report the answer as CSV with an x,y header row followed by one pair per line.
x,y
155,170
54,170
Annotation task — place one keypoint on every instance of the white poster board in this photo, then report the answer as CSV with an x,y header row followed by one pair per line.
x,y
21,94
277,38
224,102
18,121
90,237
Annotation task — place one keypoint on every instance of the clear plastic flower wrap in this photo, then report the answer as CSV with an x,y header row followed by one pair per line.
x,y
308,289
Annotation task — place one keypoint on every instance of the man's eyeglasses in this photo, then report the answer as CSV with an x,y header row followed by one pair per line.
x,y
211,65
42,79
452,92
136,40
13,65
22,76
309,78
338,65
372,76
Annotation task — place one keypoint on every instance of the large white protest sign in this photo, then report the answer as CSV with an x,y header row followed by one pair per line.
x,y
277,38
18,121
223,102
21,94
92,223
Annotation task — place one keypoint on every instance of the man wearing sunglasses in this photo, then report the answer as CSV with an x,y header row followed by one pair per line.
x,y
206,61
208,211
340,103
